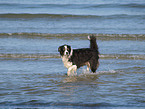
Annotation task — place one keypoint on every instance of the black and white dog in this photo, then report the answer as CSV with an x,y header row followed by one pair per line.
x,y
75,58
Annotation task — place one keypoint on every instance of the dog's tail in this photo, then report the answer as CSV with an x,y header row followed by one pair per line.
x,y
94,63
93,43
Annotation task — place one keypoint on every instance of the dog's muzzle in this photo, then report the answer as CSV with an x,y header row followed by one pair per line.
x,y
66,53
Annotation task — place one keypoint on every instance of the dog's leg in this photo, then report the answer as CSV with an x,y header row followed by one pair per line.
x,y
75,69
88,66
68,72
71,69
93,65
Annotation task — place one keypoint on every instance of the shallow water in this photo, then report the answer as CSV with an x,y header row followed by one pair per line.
x,y
32,75
43,83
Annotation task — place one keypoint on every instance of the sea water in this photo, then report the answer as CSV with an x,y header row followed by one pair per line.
x,y
32,74
69,16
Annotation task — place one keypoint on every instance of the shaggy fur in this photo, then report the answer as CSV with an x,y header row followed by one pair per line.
x,y
75,58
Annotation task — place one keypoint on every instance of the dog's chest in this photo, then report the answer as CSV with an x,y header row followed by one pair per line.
x,y
66,63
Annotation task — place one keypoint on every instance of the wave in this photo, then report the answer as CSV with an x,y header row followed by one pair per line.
x,y
134,5
39,56
44,104
131,5
122,56
40,15
46,56
73,36
37,103
45,15
80,5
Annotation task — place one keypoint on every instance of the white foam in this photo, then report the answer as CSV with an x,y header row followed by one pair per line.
x,y
98,72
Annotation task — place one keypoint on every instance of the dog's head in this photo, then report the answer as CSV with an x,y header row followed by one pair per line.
x,y
65,50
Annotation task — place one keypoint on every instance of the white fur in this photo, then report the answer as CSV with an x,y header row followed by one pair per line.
x,y
89,38
71,53
88,66
66,63
71,68
65,50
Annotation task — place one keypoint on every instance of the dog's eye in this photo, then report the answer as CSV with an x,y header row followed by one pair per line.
x,y
68,49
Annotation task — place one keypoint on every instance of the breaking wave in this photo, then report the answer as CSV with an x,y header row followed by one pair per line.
x,y
45,15
71,36
46,56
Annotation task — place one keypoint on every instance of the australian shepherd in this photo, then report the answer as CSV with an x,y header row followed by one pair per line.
x,y
75,58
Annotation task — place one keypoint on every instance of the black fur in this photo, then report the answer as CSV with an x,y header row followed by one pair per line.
x,y
93,43
81,56
84,56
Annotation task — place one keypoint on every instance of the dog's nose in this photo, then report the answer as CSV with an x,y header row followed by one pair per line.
x,y
66,53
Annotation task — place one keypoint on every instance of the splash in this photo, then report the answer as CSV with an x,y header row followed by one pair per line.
x,y
86,76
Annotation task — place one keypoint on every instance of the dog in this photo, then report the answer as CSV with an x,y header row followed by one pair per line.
x,y
76,58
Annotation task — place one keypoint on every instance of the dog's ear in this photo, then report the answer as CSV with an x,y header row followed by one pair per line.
x,y
59,49
69,47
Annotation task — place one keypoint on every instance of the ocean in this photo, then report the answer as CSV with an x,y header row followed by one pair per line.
x,y
32,74
69,16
